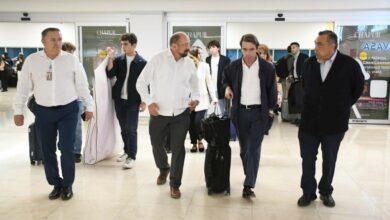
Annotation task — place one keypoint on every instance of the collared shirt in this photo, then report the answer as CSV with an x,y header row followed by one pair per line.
x,y
295,65
250,88
325,66
68,81
214,70
173,84
129,59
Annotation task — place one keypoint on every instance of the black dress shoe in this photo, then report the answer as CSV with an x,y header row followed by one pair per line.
x,y
67,193
328,200
77,158
248,193
56,193
306,199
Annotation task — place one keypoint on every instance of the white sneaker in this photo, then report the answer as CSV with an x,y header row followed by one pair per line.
x,y
129,163
122,158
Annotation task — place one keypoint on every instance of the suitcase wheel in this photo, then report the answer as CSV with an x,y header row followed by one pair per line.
x,y
210,192
32,163
39,162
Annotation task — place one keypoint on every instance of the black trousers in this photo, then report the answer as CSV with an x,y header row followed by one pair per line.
x,y
195,129
309,145
4,80
177,127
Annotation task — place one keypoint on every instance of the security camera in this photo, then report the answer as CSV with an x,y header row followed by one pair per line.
x,y
280,17
25,17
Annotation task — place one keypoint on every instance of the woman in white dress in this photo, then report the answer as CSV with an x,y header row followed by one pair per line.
x,y
206,89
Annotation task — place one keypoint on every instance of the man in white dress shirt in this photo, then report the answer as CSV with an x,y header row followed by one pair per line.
x,y
57,79
250,83
171,77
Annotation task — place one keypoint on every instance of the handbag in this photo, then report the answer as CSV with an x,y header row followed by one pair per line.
x,y
31,104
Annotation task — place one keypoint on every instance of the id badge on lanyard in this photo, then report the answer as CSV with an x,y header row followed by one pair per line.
x,y
49,74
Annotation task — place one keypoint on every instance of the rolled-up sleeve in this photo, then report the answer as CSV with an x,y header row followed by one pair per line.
x,y
82,87
23,88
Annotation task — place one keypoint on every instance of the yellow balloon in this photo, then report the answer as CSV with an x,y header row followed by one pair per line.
x,y
103,54
363,55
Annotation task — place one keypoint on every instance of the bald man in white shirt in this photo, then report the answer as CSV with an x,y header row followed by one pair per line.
x,y
57,79
174,92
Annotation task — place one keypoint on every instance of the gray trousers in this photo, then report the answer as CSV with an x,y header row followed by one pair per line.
x,y
177,127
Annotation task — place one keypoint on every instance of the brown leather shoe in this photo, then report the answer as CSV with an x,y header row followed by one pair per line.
x,y
162,178
175,193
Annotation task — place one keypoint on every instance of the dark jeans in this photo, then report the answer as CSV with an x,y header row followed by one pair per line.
x,y
49,121
309,145
195,123
128,120
250,135
176,127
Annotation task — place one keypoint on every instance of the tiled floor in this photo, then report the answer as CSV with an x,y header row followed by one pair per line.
x,y
105,191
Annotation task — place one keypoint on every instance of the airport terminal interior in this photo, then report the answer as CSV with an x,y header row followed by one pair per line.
x,y
106,188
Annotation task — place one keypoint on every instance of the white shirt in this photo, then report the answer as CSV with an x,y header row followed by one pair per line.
x,y
250,88
325,66
124,88
173,84
69,81
214,70
295,65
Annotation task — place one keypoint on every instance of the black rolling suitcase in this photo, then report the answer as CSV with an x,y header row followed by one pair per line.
x,y
36,155
217,169
216,132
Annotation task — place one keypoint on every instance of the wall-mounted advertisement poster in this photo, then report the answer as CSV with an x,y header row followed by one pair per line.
x,y
200,36
94,41
369,45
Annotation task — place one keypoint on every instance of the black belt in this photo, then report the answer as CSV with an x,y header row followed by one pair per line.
x,y
250,106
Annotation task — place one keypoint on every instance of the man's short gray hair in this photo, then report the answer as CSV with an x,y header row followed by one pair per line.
x,y
49,29
176,37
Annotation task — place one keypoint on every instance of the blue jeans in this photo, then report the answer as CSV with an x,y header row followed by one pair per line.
x,y
79,131
127,115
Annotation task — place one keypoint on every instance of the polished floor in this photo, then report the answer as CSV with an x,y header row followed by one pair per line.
x,y
105,191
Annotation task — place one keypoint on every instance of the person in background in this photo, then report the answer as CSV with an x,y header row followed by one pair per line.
x,y
8,63
263,52
205,85
2,70
299,59
126,68
19,63
218,63
70,48
57,79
